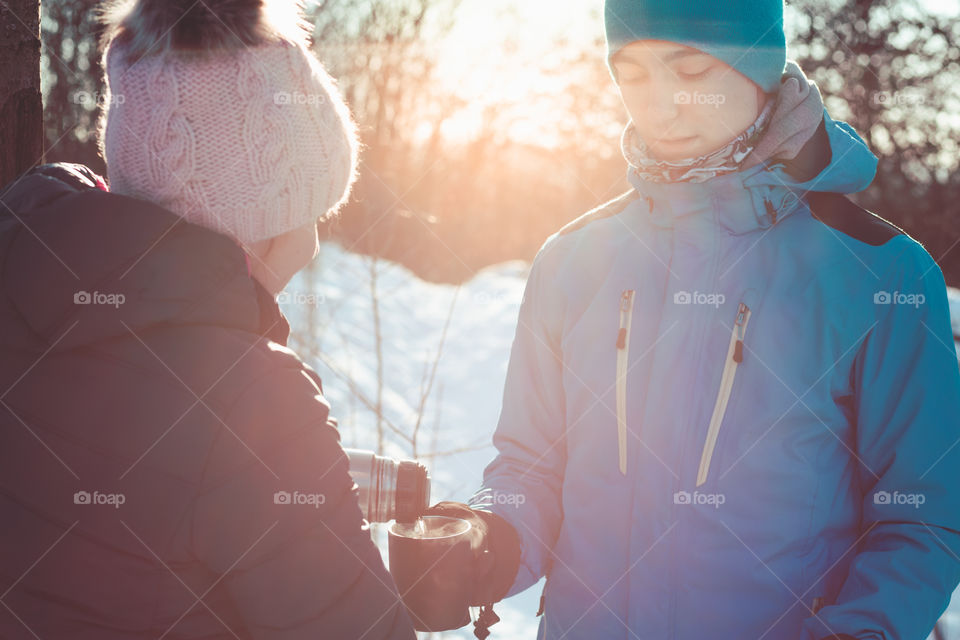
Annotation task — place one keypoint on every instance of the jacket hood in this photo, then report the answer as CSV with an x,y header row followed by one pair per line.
x,y
835,159
80,265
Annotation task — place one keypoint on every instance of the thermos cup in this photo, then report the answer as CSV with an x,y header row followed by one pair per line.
x,y
430,561
389,489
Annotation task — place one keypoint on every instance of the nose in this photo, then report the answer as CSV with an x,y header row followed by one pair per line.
x,y
663,109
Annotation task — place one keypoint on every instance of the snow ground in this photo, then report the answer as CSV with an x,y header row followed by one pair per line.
x,y
331,310
462,409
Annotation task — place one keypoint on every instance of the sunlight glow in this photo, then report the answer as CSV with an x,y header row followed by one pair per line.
x,y
499,56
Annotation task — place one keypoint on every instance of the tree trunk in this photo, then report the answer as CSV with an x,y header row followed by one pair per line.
x,y
21,105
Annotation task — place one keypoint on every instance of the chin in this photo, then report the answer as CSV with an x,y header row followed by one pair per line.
x,y
685,152
676,156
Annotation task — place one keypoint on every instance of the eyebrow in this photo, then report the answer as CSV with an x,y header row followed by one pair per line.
x,y
682,53
670,57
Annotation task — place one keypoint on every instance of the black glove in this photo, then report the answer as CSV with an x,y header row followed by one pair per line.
x,y
496,548
496,553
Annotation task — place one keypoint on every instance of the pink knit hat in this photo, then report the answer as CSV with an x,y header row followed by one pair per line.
x,y
249,138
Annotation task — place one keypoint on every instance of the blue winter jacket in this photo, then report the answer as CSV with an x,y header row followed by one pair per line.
x,y
732,412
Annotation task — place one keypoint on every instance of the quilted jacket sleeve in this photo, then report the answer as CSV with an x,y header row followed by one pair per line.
x,y
278,520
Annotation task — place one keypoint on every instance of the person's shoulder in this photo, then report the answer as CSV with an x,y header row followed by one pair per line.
x,y
606,210
571,236
889,244
841,214
269,368
46,184
578,236
889,252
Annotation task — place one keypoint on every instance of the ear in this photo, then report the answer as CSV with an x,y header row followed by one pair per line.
x,y
260,249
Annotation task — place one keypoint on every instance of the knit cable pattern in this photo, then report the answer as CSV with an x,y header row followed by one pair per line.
x,y
251,143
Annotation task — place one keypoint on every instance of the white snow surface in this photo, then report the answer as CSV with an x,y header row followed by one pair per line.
x,y
331,315
332,329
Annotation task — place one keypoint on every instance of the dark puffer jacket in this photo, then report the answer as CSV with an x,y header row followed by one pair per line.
x,y
168,468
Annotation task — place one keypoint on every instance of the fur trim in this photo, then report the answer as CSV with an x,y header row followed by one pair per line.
x,y
159,26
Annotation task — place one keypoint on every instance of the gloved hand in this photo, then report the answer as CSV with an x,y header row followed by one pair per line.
x,y
496,548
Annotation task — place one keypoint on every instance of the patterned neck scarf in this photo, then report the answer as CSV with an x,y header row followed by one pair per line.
x,y
726,159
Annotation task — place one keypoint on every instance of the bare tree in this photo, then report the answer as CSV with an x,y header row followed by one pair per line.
x,y
73,81
890,67
887,66
21,107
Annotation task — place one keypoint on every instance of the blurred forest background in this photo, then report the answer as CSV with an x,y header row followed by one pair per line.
x,y
488,124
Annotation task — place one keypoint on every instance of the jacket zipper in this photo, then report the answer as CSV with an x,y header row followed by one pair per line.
x,y
623,353
734,358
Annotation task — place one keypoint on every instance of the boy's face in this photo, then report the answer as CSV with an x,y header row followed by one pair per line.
x,y
684,103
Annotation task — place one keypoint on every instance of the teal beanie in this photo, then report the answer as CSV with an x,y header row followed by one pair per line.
x,y
746,34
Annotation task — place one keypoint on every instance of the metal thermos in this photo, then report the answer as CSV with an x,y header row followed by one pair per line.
x,y
389,489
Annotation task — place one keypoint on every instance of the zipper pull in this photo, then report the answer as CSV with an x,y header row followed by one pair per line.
x,y
742,312
623,347
622,338
625,301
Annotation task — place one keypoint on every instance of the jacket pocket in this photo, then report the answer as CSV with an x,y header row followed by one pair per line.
x,y
733,359
623,361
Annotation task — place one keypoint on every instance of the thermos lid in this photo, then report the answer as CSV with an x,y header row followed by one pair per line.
x,y
413,490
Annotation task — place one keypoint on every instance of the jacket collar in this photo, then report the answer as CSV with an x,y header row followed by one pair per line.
x,y
835,159
170,272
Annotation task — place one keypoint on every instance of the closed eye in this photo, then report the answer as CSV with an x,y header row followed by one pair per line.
x,y
630,73
695,76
